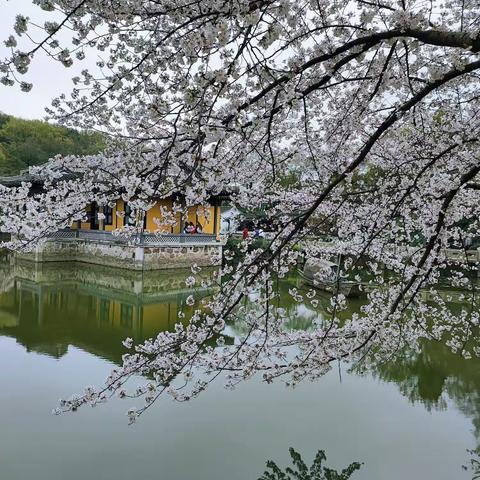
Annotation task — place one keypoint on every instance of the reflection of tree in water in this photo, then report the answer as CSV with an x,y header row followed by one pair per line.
x,y
298,316
48,310
432,374
302,315
419,377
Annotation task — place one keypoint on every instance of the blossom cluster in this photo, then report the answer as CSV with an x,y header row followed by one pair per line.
x,y
356,121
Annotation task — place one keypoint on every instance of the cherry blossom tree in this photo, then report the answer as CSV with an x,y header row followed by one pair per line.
x,y
372,106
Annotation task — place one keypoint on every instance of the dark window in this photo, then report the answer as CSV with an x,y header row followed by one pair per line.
x,y
129,220
108,212
128,215
93,216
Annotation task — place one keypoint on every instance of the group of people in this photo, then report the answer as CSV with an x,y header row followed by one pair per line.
x,y
257,233
191,228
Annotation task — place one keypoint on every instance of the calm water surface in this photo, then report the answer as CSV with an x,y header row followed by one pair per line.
x,y
61,329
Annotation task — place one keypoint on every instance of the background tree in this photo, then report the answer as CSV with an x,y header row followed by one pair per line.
x,y
24,143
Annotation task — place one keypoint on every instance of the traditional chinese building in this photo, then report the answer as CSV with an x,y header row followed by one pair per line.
x,y
95,239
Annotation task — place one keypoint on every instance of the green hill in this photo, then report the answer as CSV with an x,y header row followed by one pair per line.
x,y
31,142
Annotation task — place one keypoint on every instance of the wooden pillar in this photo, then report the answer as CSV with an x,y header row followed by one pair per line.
x,y
182,221
101,223
215,218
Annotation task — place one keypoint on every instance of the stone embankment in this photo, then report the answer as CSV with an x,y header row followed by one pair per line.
x,y
150,253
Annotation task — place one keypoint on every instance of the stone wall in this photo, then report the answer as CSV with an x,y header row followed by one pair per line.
x,y
147,286
181,257
126,256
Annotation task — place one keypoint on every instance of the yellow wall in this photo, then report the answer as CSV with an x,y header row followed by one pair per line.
x,y
219,217
115,219
119,221
206,220
155,213
83,225
159,316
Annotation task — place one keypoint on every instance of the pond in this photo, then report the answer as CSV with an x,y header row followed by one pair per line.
x,y
61,329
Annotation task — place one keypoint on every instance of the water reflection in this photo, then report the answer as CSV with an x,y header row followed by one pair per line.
x,y
430,374
47,307
433,375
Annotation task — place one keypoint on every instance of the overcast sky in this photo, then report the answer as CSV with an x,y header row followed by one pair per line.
x,y
49,78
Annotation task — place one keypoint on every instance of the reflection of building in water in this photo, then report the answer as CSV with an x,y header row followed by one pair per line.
x,y
49,307
6,273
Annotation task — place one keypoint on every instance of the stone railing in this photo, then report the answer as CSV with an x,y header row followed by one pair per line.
x,y
141,239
